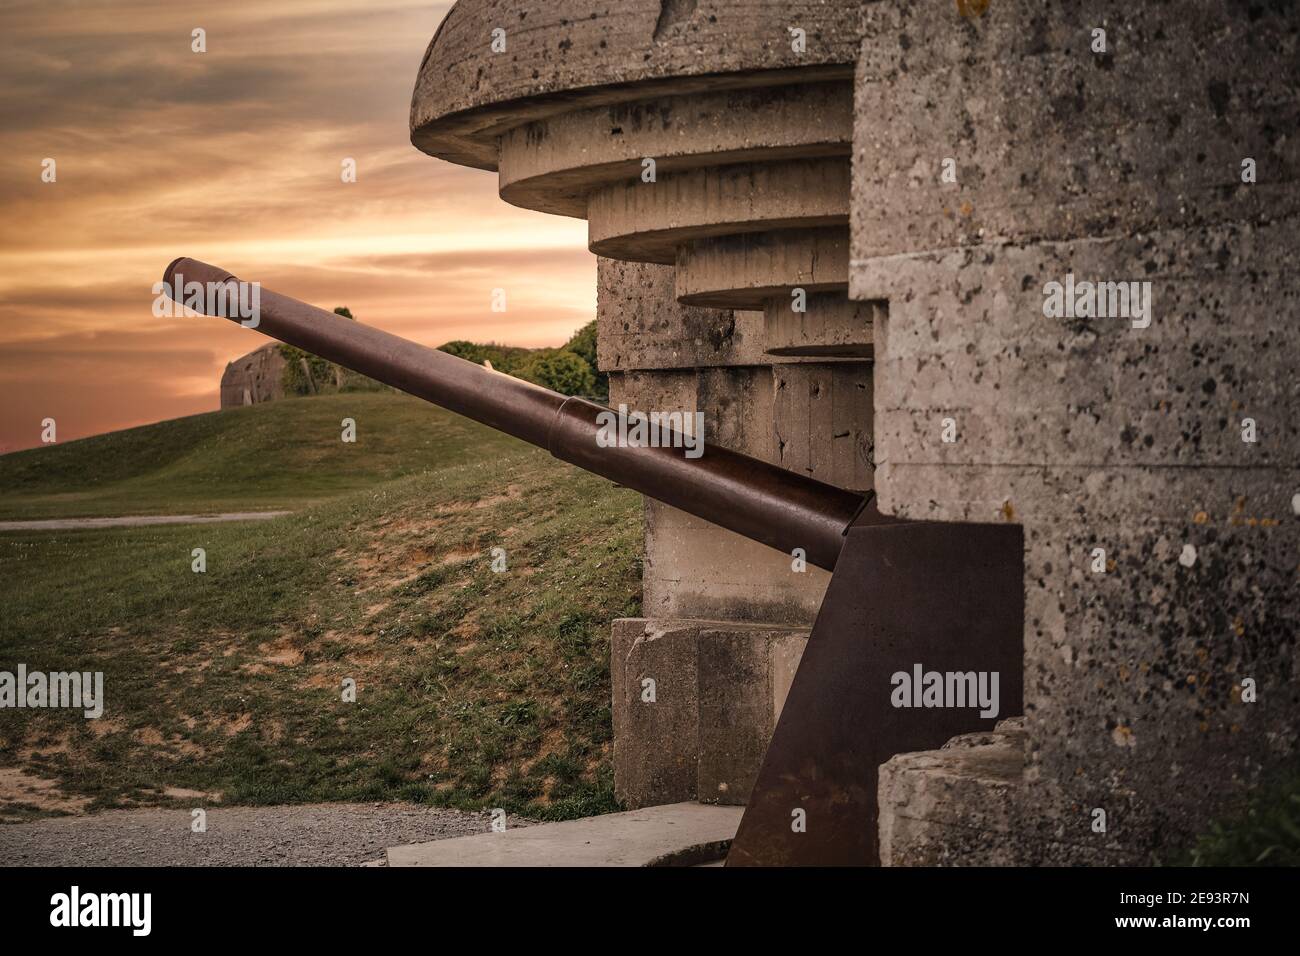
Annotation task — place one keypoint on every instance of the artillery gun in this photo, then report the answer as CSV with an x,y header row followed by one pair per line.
x,y
909,598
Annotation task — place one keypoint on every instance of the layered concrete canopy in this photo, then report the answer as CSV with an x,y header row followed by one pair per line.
x,y
741,115
562,56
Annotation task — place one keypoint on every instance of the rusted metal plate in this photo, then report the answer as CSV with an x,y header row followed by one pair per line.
x,y
947,597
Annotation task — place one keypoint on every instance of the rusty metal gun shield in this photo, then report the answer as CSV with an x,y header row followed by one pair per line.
x,y
947,597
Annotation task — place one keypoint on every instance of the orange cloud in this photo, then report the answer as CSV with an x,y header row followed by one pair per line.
x,y
234,156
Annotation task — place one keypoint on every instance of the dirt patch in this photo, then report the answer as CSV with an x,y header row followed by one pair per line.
x,y
491,501
400,550
458,557
468,625
18,786
104,726
282,652
187,747
180,793
234,725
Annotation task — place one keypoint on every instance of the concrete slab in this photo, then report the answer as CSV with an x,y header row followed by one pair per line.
x,y
660,835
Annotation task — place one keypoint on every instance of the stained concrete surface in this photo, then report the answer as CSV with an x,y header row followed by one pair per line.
x,y
653,836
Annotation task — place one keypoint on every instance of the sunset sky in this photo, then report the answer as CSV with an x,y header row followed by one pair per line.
x,y
233,156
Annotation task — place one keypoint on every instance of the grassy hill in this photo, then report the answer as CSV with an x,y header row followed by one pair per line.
x,y
474,688
260,458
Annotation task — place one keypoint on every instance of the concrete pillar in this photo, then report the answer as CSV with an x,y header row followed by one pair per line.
x,y
1160,612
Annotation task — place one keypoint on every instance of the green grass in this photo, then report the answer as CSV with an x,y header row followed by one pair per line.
x,y
474,688
281,455
1265,833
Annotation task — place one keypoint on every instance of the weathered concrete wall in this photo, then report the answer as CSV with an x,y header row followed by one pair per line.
x,y
720,682
806,415
641,326
1097,435
253,378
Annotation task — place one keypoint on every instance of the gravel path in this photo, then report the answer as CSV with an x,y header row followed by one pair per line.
x,y
330,834
134,521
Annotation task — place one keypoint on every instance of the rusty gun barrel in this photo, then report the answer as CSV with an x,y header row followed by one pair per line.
x,y
751,497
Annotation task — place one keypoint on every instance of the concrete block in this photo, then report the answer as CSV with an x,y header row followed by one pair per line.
x,y
718,690
957,805
694,569
735,713
656,742
970,804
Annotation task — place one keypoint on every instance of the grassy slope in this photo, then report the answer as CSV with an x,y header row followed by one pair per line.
x,y
475,688
264,457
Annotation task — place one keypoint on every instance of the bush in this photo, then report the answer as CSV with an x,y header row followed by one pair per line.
x,y
504,358
570,369
561,371
583,344
325,375
294,378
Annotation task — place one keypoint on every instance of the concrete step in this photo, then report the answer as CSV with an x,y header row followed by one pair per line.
x,y
677,834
